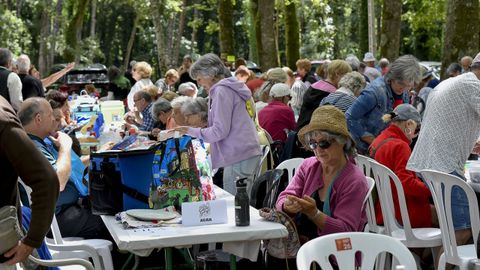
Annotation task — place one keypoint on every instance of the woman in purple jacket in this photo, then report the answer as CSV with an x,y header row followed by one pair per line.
x,y
233,139
327,192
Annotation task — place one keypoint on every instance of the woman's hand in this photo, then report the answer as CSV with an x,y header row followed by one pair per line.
x,y
155,132
307,205
291,206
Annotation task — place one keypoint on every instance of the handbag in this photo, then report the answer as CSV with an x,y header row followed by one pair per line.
x,y
283,248
10,232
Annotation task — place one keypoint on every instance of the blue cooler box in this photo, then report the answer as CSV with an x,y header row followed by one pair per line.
x,y
119,181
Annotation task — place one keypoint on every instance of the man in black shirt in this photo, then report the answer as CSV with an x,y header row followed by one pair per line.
x,y
31,86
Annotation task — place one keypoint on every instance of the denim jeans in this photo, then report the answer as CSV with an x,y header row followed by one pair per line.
x,y
245,168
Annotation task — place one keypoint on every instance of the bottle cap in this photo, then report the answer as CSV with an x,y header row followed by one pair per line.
x,y
242,182
132,131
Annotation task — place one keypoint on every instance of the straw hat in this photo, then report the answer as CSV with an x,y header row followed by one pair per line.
x,y
327,118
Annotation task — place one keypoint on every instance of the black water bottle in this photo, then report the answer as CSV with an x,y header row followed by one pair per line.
x,y
242,205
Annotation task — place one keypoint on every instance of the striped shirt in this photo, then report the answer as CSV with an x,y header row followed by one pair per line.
x,y
450,127
298,90
340,99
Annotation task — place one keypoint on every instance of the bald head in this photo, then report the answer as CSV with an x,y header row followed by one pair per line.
x,y
466,61
36,116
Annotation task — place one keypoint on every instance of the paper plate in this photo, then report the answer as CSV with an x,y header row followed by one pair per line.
x,y
150,214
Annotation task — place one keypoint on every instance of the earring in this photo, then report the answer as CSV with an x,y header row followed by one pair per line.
x,y
408,131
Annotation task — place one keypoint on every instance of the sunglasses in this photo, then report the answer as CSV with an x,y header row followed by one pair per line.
x,y
323,144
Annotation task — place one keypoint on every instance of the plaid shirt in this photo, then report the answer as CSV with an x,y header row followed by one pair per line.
x,y
148,121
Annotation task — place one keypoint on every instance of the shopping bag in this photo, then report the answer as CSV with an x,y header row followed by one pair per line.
x,y
176,178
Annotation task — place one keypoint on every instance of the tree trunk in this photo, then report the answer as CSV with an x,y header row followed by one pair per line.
x,y
337,15
194,32
391,23
74,32
252,42
461,32
55,30
126,60
363,30
225,20
292,37
44,37
19,8
268,56
93,18
157,12
181,27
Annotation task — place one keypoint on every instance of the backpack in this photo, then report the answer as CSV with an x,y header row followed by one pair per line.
x,y
283,248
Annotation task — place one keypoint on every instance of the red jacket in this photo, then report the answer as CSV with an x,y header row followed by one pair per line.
x,y
394,154
275,118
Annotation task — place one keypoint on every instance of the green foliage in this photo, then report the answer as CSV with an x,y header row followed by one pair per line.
x,y
425,21
90,51
14,33
318,30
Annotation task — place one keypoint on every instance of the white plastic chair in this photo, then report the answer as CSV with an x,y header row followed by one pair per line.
x,y
97,249
410,237
344,246
440,185
291,165
58,263
363,162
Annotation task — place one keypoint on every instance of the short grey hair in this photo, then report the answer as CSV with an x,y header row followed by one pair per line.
x,y
353,81
29,109
178,102
209,65
353,61
161,105
23,64
184,87
5,57
348,148
405,68
198,106
383,63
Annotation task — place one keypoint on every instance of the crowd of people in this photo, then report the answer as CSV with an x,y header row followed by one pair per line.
x,y
347,107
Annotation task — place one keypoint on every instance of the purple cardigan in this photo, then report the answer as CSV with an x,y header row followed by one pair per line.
x,y
346,199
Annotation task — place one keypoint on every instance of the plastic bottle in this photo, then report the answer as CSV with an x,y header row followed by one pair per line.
x,y
242,205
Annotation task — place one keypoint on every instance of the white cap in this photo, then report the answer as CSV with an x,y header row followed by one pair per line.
x,y
279,90
369,57
476,59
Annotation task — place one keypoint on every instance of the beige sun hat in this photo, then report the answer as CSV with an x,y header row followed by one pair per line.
x,y
326,118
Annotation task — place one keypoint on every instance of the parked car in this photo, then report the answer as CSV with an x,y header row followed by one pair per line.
x,y
433,66
255,68
76,79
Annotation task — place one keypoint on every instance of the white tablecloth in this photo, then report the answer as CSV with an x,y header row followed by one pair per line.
x,y
240,241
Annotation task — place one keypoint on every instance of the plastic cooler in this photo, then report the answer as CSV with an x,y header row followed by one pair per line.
x,y
113,110
135,171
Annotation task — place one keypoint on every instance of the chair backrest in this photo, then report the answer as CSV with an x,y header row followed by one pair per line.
x,y
265,152
59,262
363,162
344,247
384,177
371,186
440,185
57,236
267,182
291,166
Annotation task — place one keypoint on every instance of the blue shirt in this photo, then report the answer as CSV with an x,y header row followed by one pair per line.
x,y
69,195
148,121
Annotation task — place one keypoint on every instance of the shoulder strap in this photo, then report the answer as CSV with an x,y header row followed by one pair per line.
x,y
373,151
134,194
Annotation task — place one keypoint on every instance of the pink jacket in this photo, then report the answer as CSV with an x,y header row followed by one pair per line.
x,y
346,199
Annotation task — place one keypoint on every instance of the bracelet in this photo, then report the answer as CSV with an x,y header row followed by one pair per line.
x,y
315,215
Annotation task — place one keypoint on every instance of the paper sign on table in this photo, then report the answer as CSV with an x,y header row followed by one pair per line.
x,y
204,212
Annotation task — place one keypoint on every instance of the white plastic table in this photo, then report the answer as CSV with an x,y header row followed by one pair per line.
x,y
239,241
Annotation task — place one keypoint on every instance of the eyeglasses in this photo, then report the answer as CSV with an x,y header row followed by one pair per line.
x,y
323,144
136,100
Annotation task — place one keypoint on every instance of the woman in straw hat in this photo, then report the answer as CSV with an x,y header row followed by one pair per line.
x,y
327,191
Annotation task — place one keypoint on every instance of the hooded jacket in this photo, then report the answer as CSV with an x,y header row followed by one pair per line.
x,y
311,100
230,132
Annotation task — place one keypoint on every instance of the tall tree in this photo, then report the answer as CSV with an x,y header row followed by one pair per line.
x,y
74,32
255,37
225,19
292,34
179,34
268,56
55,32
461,31
93,17
363,29
158,7
390,33
44,36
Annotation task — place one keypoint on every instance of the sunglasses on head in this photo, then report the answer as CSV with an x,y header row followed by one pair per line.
x,y
323,144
